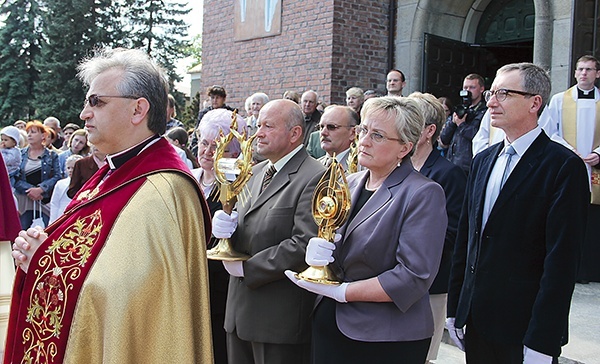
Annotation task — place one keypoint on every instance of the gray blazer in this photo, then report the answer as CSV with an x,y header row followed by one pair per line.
x,y
343,162
397,236
274,228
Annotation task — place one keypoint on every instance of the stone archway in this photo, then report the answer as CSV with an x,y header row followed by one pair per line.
x,y
459,19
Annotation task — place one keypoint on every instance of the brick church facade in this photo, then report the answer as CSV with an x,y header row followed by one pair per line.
x,y
327,46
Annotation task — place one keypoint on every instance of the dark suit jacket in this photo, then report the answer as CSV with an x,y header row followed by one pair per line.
x,y
516,277
311,126
84,169
274,228
454,181
397,236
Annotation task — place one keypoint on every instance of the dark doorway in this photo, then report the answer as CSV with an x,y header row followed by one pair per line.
x,y
446,62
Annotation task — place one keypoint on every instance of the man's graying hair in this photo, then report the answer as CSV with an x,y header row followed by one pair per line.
x,y
141,78
535,80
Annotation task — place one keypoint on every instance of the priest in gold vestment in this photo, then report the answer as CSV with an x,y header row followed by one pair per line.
x,y
121,277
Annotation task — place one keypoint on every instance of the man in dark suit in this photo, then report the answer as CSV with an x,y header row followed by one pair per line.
x,y
267,316
519,234
312,116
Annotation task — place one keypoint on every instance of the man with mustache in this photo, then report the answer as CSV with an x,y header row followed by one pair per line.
x,y
337,133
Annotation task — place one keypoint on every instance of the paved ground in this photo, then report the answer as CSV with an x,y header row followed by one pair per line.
x,y
584,331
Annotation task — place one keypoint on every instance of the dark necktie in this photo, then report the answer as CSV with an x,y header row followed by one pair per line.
x,y
268,177
328,161
510,151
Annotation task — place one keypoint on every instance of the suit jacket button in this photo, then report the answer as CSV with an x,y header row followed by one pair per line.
x,y
472,268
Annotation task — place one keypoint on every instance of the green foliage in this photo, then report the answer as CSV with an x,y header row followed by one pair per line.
x,y
195,50
42,41
66,27
19,46
157,27
191,111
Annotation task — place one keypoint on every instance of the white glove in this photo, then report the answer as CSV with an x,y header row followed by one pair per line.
x,y
319,252
335,292
456,334
223,225
531,356
235,268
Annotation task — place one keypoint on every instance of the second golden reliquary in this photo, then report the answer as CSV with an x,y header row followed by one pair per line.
x,y
232,175
330,209
353,156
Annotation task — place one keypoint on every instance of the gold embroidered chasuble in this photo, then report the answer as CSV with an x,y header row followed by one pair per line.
x,y
120,285
569,122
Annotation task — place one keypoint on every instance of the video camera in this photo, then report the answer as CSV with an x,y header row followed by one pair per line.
x,y
466,98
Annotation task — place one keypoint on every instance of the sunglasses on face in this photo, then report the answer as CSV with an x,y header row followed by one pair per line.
x,y
332,127
94,100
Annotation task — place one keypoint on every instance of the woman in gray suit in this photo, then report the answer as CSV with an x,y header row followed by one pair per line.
x,y
388,252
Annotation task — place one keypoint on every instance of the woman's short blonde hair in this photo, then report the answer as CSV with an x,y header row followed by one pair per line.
x,y
407,116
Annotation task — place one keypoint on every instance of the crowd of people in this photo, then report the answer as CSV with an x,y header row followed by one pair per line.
x,y
476,218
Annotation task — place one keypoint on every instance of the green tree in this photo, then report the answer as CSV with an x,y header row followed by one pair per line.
x,y
191,111
19,47
195,50
157,26
72,28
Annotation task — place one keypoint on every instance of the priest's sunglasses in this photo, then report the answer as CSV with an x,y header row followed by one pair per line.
x,y
502,93
93,100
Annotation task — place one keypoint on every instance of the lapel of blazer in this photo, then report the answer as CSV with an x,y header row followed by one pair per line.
x,y
481,179
380,197
429,162
524,169
280,180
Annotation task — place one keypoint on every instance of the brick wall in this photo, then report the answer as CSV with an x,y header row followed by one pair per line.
x,y
328,46
360,46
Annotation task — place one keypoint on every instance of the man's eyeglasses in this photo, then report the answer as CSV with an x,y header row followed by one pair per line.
x,y
332,127
375,136
587,69
94,100
502,93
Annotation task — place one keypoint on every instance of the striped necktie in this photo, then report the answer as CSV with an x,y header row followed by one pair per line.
x,y
268,177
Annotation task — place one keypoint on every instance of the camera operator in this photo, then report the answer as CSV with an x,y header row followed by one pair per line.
x,y
458,134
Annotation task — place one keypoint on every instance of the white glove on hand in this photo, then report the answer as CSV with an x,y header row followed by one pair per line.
x,y
531,356
335,292
223,225
319,252
235,268
456,334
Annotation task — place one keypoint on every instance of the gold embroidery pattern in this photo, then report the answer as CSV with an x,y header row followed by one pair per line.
x,y
595,178
88,194
59,267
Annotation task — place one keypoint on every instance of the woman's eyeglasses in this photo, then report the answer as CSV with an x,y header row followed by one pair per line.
x,y
375,136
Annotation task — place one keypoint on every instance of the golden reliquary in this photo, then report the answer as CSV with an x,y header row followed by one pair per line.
x,y
330,209
232,175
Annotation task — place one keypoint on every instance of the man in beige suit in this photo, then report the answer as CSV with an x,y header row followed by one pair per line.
x,y
267,316
337,133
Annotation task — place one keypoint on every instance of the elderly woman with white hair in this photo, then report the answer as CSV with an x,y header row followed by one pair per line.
x,y
208,131
387,253
355,97
253,105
